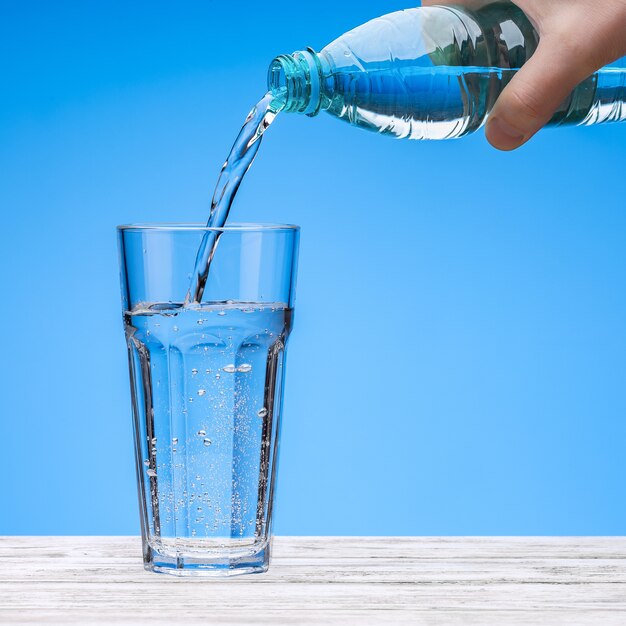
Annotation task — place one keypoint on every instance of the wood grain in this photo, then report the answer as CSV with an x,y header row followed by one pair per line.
x,y
347,580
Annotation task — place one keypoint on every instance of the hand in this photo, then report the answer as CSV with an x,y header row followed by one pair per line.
x,y
577,38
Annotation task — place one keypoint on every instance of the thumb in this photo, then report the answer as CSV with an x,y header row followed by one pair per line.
x,y
533,96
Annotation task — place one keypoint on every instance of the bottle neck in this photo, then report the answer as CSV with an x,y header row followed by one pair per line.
x,y
296,80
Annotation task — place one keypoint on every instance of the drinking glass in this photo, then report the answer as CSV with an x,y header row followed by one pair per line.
x,y
207,388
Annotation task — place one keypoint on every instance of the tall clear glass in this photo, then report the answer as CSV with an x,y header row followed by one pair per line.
x,y
207,388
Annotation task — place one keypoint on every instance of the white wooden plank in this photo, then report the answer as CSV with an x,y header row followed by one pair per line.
x,y
100,580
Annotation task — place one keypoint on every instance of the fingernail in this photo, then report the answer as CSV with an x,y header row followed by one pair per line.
x,y
502,135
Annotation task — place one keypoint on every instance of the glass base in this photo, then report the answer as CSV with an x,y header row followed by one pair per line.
x,y
212,563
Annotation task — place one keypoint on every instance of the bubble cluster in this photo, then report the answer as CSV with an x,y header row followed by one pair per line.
x,y
229,413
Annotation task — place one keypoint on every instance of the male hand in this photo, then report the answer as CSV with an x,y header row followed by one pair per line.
x,y
577,38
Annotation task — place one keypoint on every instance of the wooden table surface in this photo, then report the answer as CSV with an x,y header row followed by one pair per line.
x,y
349,580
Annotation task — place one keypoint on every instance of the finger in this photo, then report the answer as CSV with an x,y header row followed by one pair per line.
x,y
535,93
470,4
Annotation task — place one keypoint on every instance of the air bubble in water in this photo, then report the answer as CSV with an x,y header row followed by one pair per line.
x,y
174,441
262,412
207,442
175,329
146,463
244,367
201,392
201,433
194,371
154,441
230,369
218,376
221,313
152,473
200,322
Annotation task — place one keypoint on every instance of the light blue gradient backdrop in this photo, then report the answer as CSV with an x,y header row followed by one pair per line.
x,y
458,363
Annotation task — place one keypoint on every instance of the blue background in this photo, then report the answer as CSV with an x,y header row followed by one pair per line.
x,y
459,356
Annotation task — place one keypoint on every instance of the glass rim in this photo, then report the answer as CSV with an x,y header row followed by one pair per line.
x,y
183,226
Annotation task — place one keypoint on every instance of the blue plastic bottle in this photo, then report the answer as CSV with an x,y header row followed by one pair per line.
x,y
431,73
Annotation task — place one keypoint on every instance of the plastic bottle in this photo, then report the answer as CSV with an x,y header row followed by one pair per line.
x,y
431,73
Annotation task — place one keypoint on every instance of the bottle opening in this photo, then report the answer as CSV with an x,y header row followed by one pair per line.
x,y
277,84
294,79
276,78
